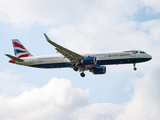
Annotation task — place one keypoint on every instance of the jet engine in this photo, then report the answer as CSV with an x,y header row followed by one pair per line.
x,y
89,60
99,70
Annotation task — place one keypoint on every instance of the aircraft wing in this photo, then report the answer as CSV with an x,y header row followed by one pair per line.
x,y
72,56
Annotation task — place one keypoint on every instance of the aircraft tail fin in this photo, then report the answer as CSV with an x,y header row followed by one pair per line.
x,y
19,50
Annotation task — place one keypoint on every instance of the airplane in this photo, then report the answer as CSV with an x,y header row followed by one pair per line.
x,y
93,62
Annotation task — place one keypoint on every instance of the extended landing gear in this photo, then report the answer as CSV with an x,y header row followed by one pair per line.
x,y
75,68
134,67
82,74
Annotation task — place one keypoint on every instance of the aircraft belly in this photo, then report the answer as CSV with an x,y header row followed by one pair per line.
x,y
52,65
121,61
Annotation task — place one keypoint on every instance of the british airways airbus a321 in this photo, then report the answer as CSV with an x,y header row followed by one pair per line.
x,y
79,62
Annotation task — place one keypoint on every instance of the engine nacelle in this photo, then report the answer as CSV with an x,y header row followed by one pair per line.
x,y
99,70
89,60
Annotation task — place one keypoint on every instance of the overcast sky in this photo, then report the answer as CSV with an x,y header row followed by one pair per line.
x,y
81,26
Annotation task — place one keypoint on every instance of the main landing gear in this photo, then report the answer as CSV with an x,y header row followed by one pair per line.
x,y
82,74
75,68
134,67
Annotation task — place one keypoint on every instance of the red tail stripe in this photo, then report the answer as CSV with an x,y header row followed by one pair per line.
x,y
25,55
15,44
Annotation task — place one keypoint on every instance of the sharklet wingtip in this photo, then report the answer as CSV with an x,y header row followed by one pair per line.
x,y
47,38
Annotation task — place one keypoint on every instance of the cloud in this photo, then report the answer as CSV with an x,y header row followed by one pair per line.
x,y
59,100
45,12
10,84
95,25
145,104
153,5
101,111
56,100
91,25
65,12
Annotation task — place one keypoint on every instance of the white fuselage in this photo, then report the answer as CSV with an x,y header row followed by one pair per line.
x,y
94,62
103,58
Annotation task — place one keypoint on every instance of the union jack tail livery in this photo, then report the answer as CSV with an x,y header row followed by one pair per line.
x,y
19,50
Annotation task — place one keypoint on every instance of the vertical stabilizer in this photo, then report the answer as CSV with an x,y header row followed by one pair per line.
x,y
19,50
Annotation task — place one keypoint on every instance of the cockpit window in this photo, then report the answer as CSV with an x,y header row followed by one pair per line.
x,y
142,52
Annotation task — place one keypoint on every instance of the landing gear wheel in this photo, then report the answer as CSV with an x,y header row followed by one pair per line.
x,y
134,67
82,74
75,68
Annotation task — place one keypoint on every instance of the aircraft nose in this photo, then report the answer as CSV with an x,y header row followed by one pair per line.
x,y
149,57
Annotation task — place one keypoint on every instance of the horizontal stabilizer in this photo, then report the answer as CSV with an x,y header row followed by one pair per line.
x,y
14,58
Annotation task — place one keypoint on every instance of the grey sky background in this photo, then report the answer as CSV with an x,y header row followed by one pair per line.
x,y
82,26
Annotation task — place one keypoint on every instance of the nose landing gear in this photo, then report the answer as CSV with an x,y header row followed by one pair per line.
x,y
134,67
